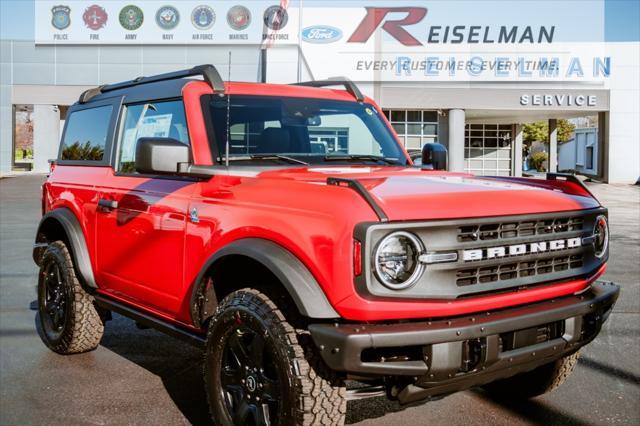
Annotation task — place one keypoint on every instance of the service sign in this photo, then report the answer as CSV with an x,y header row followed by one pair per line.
x,y
165,22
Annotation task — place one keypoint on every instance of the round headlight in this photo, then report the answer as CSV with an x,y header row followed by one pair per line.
x,y
601,234
396,260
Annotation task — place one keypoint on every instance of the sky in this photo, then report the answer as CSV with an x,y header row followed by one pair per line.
x,y
622,18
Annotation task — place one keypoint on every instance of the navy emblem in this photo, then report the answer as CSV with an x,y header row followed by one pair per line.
x,y
167,17
203,17
60,17
131,17
275,18
239,18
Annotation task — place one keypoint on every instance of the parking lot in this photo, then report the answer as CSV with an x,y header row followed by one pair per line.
x,y
144,377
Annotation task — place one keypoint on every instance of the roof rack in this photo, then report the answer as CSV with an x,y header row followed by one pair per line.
x,y
349,85
208,72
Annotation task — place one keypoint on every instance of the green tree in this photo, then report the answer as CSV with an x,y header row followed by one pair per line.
x,y
539,131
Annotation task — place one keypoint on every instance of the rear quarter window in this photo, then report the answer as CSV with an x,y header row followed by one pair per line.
x,y
85,136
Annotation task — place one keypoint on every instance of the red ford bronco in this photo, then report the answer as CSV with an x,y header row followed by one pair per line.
x,y
286,230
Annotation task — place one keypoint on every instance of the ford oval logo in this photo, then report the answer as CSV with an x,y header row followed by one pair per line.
x,y
321,34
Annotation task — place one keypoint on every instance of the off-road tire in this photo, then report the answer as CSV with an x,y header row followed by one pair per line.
x,y
313,395
83,327
539,381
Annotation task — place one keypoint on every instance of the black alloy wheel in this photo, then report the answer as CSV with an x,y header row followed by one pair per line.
x,y
69,319
249,379
261,370
54,299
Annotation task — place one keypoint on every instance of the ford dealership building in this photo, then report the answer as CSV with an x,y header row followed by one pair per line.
x,y
466,75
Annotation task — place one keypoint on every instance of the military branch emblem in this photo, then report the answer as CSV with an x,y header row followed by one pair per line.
x,y
60,17
203,17
275,18
95,17
131,17
167,17
239,18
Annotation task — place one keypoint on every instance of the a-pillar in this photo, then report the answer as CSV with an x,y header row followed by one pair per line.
x,y
553,145
456,140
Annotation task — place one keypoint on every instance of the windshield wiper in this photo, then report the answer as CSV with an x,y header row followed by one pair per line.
x,y
269,157
357,157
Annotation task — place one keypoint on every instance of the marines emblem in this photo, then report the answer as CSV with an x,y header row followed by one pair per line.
x,y
239,18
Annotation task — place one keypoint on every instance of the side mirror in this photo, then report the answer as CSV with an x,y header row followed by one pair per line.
x,y
160,155
434,156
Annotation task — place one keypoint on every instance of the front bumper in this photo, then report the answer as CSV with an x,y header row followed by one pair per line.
x,y
445,356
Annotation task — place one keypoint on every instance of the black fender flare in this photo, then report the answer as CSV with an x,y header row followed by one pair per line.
x,y
287,268
68,221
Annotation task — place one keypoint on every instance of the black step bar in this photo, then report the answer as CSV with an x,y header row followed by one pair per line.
x,y
208,72
146,319
349,86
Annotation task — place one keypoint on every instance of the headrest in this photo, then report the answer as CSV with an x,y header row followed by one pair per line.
x,y
274,140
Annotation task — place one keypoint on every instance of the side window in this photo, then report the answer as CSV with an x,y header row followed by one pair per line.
x,y
86,134
158,119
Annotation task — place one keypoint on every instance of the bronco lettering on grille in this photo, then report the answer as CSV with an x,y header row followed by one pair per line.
x,y
520,249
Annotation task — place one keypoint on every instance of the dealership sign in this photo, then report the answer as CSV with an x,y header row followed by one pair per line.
x,y
459,40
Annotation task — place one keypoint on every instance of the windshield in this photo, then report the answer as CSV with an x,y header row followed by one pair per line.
x,y
302,131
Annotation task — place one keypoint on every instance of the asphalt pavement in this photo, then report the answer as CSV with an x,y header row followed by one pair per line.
x,y
144,377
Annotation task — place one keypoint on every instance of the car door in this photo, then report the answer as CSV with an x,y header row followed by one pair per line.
x,y
141,221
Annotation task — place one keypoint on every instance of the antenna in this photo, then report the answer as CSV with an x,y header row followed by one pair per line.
x,y
226,147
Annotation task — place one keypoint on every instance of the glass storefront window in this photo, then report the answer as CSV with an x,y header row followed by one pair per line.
x,y
23,137
488,149
414,127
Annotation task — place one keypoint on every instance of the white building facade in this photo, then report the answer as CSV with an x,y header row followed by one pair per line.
x,y
452,72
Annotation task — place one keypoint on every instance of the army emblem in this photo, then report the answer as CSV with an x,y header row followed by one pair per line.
x,y
239,18
167,17
95,17
203,17
60,17
275,18
131,17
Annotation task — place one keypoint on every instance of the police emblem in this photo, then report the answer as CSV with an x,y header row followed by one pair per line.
x,y
239,18
167,17
275,18
131,17
95,17
60,17
203,17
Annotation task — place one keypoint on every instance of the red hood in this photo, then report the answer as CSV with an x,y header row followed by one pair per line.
x,y
413,194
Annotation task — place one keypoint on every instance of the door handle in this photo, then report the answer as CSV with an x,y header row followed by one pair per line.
x,y
107,204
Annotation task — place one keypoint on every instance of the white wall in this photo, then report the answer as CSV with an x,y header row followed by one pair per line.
x,y
46,132
624,116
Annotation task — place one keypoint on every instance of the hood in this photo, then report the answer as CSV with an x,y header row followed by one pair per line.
x,y
414,194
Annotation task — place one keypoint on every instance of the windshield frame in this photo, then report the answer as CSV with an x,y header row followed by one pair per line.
x,y
218,149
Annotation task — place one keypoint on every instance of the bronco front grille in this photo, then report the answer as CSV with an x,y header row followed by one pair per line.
x,y
497,231
494,254
510,271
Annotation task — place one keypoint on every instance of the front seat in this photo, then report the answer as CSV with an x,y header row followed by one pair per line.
x,y
274,140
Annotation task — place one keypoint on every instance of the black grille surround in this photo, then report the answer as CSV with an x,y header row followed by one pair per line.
x,y
471,278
